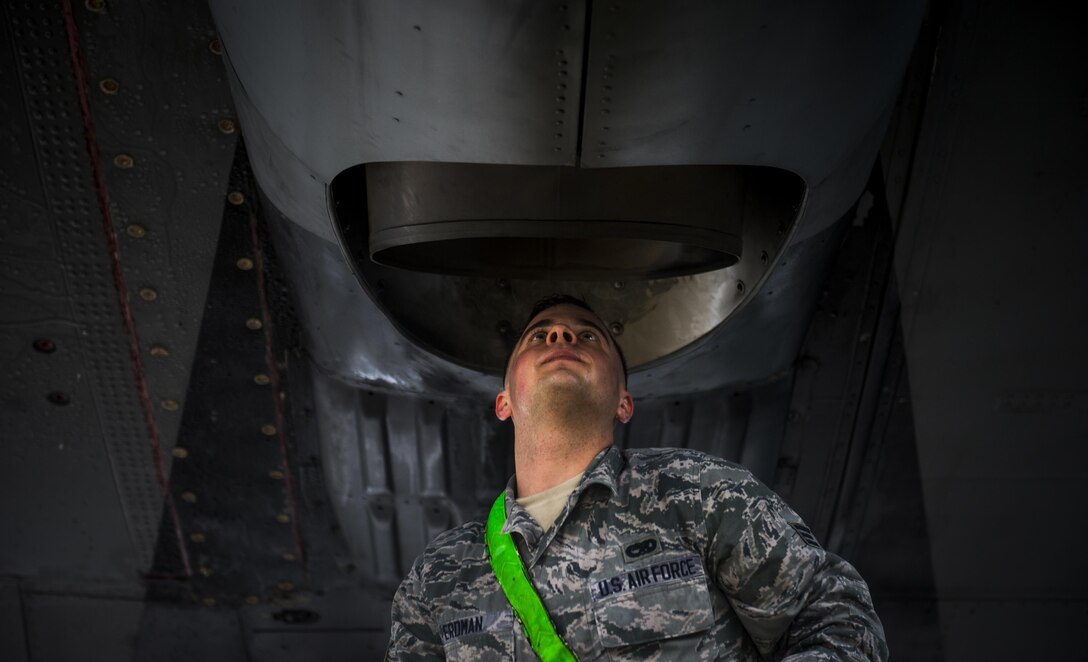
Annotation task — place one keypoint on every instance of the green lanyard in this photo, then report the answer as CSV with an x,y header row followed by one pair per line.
x,y
519,591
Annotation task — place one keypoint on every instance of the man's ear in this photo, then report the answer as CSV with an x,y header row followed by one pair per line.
x,y
626,408
502,405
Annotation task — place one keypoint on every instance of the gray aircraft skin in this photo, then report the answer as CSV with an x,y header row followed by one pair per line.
x,y
261,263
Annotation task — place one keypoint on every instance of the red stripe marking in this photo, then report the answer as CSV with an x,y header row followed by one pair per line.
x,y
274,375
119,279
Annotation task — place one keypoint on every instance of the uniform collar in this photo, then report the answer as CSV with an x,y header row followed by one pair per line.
x,y
604,469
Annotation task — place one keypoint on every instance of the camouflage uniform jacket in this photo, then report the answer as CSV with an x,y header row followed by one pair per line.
x,y
663,554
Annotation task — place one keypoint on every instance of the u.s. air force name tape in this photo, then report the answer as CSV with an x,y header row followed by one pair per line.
x,y
662,572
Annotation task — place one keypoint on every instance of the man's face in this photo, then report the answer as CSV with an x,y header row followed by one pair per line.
x,y
564,358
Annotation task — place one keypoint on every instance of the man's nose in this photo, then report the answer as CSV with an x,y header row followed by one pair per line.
x,y
560,333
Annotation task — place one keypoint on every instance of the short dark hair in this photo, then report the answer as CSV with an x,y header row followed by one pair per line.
x,y
553,300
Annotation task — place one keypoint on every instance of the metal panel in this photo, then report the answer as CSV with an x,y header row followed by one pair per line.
x,y
89,475
175,633
400,470
62,628
991,266
326,646
13,645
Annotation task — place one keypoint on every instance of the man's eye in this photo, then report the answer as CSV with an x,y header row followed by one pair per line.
x,y
589,335
538,335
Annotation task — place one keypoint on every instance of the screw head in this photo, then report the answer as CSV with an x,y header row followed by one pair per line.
x,y
244,263
206,570
95,5
253,324
123,161
283,518
109,86
616,328
169,405
215,46
226,126
198,537
288,556
261,379
136,231
159,352
268,429
275,474
179,452
236,197
188,497
148,294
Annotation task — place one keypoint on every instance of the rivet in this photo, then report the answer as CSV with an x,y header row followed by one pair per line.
x,y
206,571
288,556
198,537
136,231
244,263
763,257
215,46
236,197
95,5
261,379
268,429
123,161
148,294
226,125
283,518
253,324
45,346
179,452
58,398
740,287
275,474
109,85
252,599
209,602
285,586
188,497
618,284
169,405
159,352
616,328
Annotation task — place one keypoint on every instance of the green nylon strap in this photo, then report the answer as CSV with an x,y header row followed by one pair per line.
x,y
519,591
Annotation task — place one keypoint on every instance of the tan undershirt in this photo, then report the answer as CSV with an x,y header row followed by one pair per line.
x,y
545,506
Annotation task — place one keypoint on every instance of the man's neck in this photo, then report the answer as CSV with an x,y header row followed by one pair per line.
x,y
545,458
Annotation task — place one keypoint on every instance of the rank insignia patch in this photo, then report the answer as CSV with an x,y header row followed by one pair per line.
x,y
805,533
